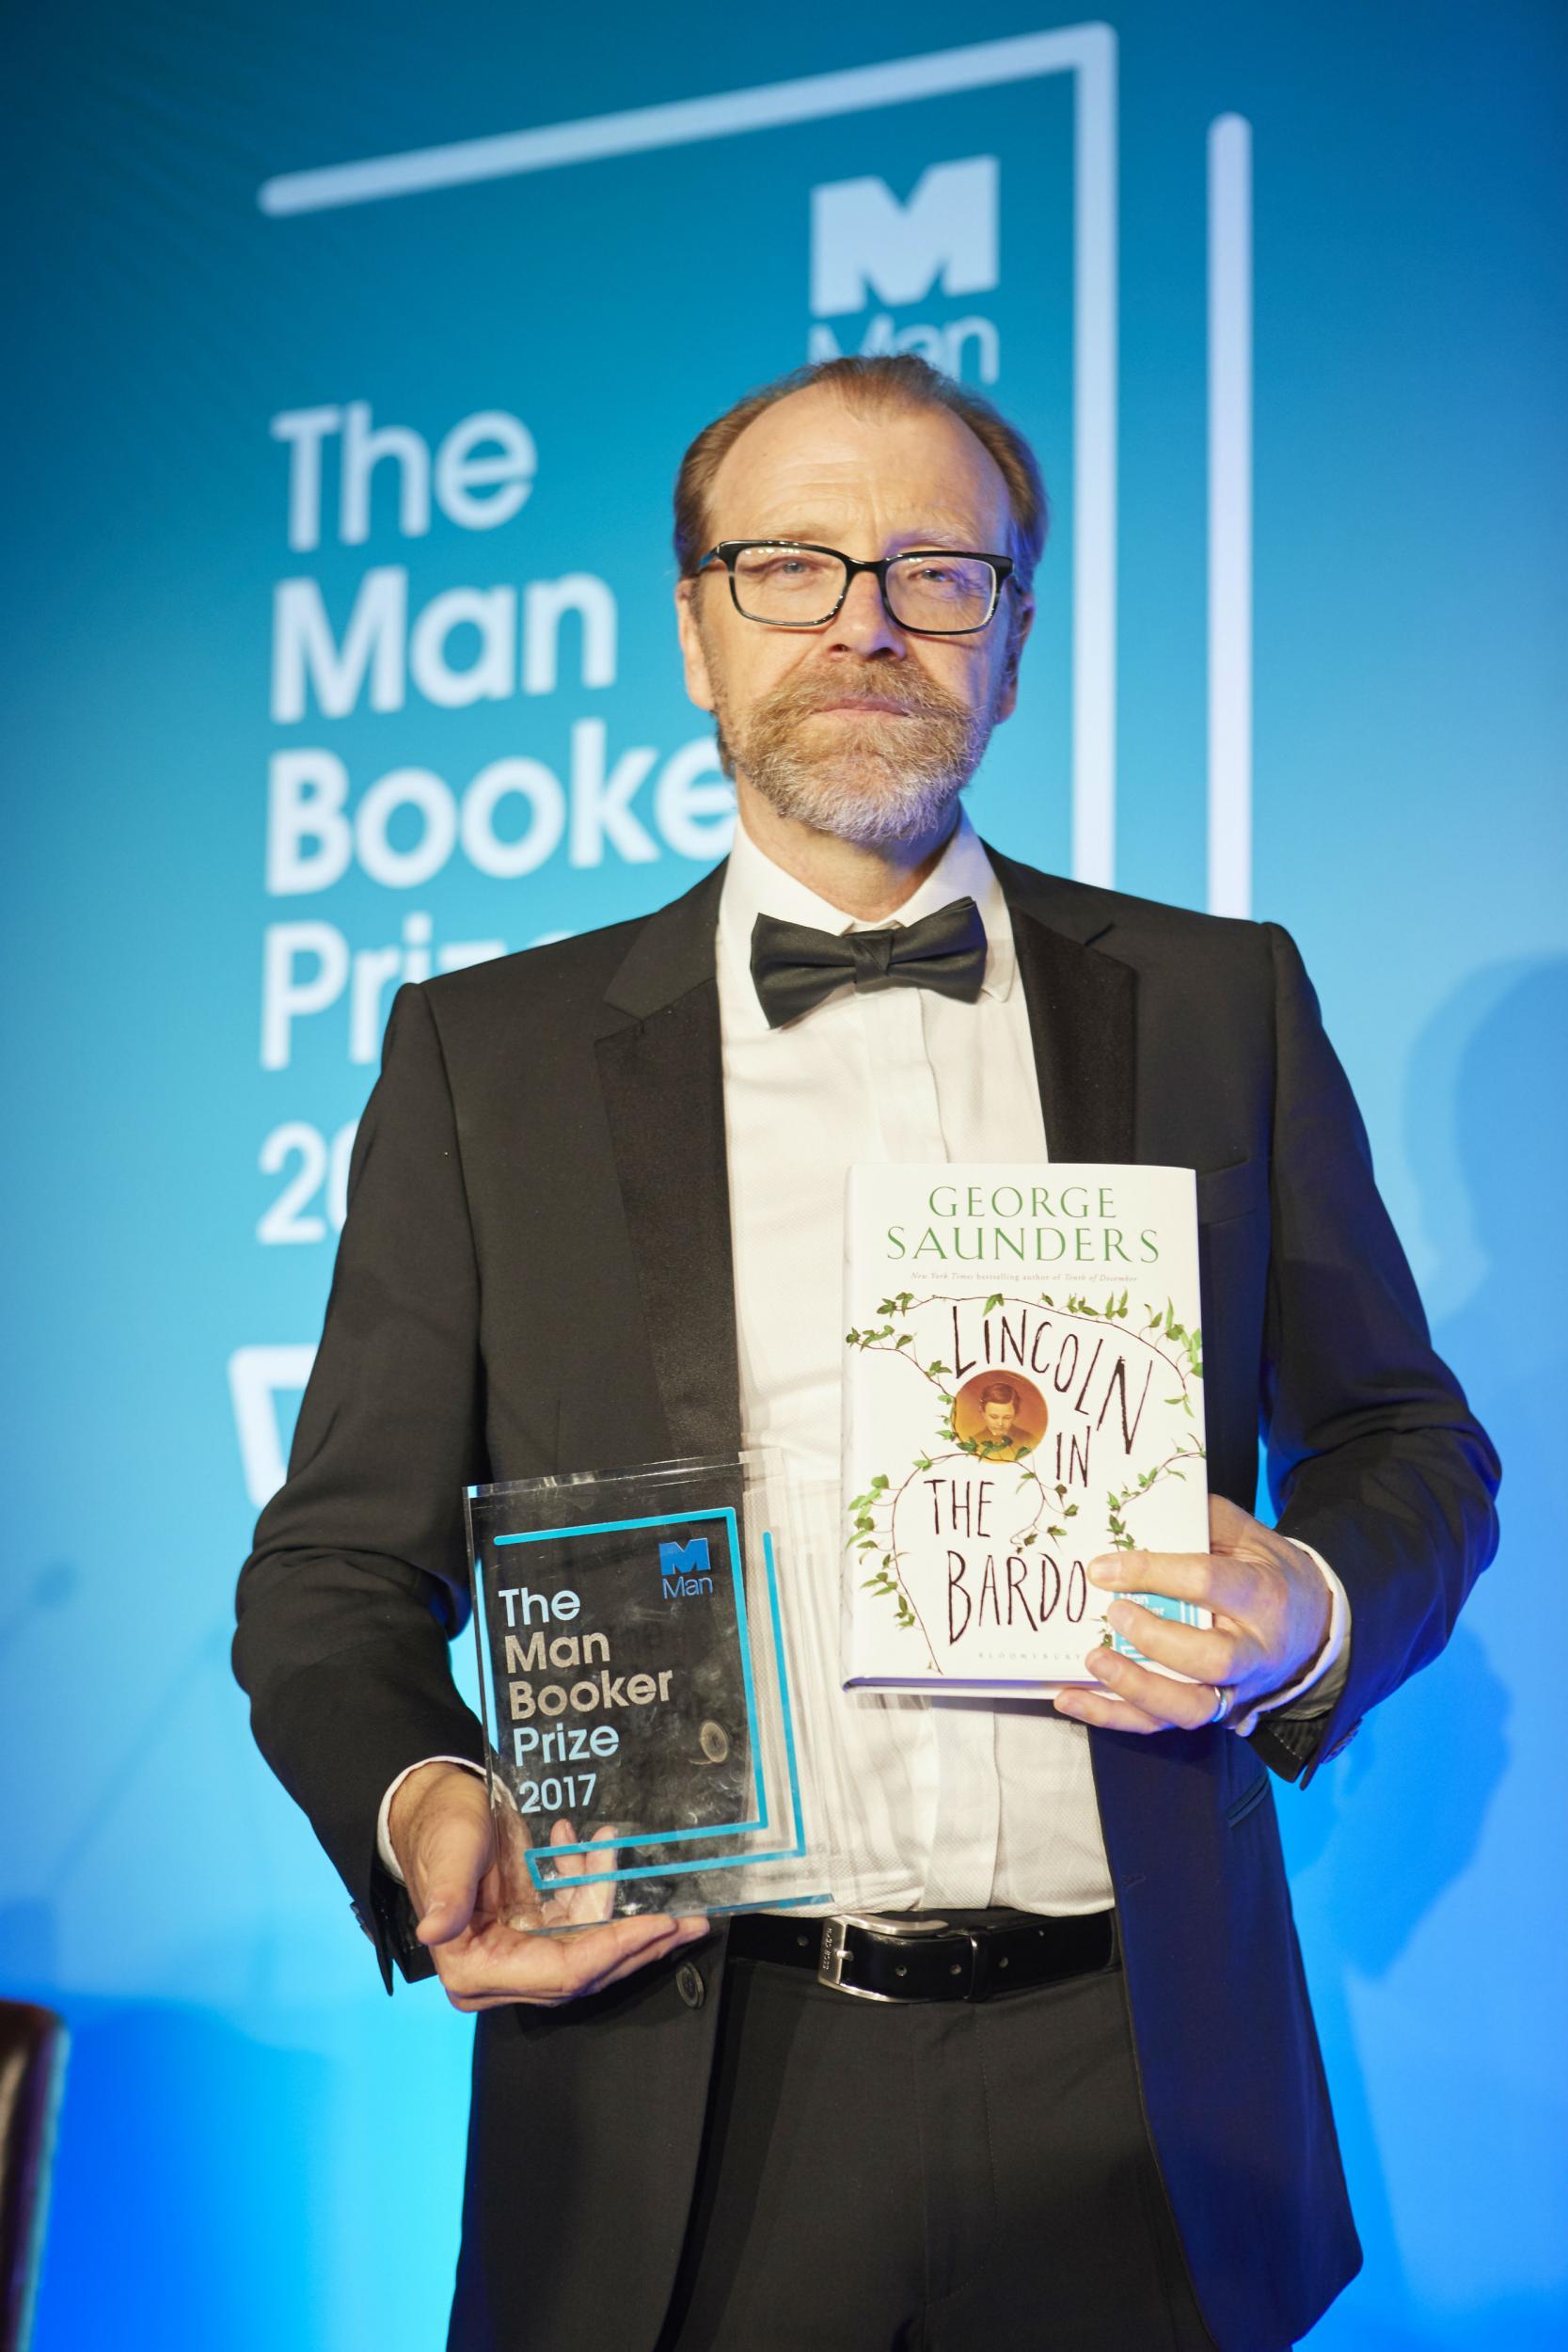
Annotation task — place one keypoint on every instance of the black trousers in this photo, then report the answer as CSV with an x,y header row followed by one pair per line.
x,y
927,2177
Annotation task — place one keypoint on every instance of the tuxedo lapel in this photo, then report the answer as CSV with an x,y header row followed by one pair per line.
x,y
1082,1005
661,1071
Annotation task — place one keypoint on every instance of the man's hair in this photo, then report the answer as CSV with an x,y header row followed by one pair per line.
x,y
900,382
999,1392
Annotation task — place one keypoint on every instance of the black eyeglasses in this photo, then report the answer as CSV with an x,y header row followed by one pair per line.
x,y
792,583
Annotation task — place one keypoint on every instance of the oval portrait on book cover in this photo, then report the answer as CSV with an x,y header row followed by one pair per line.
x,y
1002,1413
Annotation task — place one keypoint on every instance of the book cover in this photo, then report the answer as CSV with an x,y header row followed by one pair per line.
x,y
1024,1389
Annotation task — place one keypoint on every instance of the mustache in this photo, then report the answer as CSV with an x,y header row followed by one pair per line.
x,y
915,698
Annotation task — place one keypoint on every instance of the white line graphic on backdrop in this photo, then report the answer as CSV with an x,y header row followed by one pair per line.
x,y
257,1378
1088,52
1230,516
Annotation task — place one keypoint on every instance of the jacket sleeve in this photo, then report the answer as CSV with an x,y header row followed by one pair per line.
x,y
1373,1455
358,1575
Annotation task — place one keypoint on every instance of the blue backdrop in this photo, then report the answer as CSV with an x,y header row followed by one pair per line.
x,y
339,617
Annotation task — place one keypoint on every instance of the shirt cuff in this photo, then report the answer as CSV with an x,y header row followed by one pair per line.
x,y
1326,1679
383,1842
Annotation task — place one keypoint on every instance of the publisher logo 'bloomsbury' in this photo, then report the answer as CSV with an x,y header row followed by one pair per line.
x,y
870,246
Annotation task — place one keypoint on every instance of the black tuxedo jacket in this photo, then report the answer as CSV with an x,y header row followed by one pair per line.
x,y
536,1260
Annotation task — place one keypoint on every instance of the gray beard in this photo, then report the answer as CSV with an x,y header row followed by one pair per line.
x,y
905,807
887,781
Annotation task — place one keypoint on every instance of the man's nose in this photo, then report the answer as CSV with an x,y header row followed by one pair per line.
x,y
862,621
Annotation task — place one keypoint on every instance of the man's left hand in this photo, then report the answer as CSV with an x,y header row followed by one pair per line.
x,y
1271,1612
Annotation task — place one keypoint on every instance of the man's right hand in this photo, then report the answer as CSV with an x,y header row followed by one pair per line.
x,y
443,1835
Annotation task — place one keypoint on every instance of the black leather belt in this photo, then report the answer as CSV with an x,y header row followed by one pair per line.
x,y
930,1956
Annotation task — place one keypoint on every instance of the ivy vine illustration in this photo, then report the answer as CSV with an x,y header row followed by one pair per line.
x,y
1175,1348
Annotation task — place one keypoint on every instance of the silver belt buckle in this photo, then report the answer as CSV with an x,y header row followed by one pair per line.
x,y
835,1953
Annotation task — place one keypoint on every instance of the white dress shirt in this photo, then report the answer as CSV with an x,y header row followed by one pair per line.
x,y
960,1801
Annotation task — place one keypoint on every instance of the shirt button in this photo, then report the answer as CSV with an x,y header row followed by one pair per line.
x,y
690,1985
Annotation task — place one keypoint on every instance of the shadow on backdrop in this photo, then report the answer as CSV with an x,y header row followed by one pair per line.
x,y
1382,1836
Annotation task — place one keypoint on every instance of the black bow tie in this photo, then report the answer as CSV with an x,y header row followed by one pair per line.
x,y
795,967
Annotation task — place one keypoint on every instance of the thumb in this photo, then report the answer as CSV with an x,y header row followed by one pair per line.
x,y
455,1858
1228,1521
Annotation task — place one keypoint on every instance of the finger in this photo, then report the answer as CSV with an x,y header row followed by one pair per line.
x,y
490,1988
505,1965
558,1902
1104,1707
1223,1581
604,1906
584,1882
563,1866
1175,1706
507,1891
507,1897
1216,1653
454,1854
1227,1522
595,1955
598,1852
686,1932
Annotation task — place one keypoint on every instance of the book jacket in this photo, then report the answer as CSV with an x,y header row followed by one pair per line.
x,y
1024,1389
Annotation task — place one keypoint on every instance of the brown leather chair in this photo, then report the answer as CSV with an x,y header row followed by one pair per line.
x,y
33,2045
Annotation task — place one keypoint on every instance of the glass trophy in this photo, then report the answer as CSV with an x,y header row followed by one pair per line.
x,y
640,1653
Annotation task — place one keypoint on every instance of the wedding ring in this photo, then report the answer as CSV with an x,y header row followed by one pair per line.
x,y
1223,1696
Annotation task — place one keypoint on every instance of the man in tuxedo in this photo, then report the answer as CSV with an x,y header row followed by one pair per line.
x,y
597,1190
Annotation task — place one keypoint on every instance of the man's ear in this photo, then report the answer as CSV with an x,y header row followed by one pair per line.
x,y
698,685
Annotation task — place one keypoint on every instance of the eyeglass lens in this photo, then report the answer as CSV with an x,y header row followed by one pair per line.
x,y
924,592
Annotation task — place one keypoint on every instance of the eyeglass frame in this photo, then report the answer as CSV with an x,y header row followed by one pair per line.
x,y
1003,567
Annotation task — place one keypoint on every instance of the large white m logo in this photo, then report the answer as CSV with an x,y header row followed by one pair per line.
x,y
861,238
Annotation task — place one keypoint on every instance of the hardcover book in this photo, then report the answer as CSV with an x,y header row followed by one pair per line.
x,y
1024,1389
